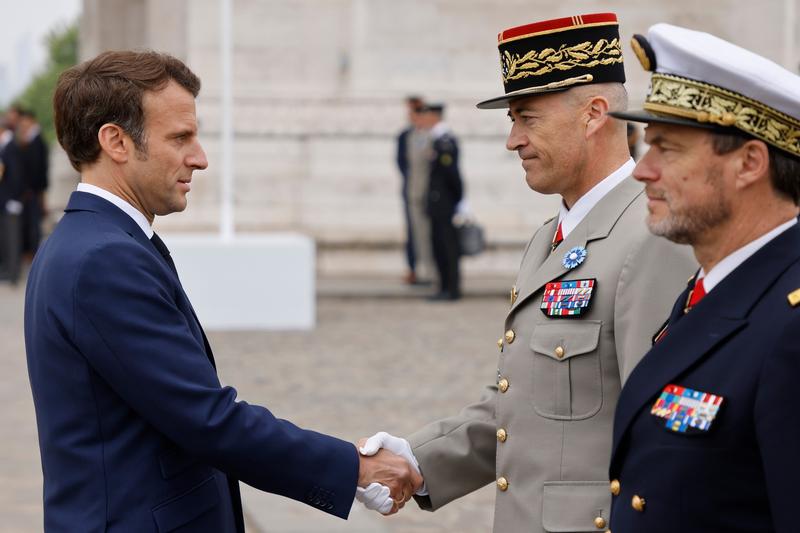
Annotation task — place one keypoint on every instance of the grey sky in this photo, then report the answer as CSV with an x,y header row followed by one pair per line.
x,y
24,25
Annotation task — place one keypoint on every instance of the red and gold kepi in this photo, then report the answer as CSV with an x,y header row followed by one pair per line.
x,y
557,54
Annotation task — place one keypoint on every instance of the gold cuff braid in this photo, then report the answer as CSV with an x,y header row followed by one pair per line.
x,y
705,103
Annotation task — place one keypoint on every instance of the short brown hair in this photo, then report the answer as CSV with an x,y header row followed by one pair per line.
x,y
109,89
784,169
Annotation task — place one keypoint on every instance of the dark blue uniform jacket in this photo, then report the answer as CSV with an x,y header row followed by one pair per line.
x,y
743,474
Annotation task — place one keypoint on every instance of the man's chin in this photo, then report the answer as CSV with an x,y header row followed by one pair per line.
x,y
662,227
538,185
175,207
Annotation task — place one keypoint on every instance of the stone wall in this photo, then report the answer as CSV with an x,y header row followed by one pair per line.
x,y
319,84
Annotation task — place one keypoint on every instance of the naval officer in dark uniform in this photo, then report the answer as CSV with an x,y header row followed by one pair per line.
x,y
707,429
445,190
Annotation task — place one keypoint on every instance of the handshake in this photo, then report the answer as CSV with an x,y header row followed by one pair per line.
x,y
387,478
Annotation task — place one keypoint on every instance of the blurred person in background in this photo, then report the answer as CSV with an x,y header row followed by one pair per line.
x,y
34,165
405,141
593,288
12,117
445,191
10,204
414,157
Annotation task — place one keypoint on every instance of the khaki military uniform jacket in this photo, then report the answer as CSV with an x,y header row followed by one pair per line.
x,y
543,430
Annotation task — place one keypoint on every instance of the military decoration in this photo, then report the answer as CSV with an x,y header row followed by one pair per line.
x,y
686,410
446,160
567,298
574,257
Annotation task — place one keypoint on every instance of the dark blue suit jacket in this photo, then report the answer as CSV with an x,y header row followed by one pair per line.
x,y
136,433
742,475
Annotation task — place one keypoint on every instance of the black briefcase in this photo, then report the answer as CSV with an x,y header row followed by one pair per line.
x,y
470,238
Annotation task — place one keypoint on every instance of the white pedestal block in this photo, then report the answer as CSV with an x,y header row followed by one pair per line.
x,y
252,282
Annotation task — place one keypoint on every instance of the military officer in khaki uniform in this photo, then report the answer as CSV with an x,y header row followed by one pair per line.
x,y
593,288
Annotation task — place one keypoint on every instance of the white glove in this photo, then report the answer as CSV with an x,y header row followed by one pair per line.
x,y
14,207
396,445
375,498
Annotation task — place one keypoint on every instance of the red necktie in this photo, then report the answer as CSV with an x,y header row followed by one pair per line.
x,y
697,294
557,238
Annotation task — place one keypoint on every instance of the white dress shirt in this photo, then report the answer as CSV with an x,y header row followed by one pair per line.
x,y
570,218
732,261
129,210
439,129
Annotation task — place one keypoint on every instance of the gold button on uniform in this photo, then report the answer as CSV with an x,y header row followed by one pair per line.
x,y
599,522
502,435
502,385
502,484
510,335
500,343
615,487
637,502
559,351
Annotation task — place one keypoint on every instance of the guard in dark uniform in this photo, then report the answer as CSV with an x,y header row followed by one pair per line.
x,y
10,206
707,429
444,193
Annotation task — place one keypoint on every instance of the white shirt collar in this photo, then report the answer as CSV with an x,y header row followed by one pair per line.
x,y
570,218
731,262
6,137
33,132
439,129
131,211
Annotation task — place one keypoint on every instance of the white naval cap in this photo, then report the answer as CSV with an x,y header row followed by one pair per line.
x,y
703,81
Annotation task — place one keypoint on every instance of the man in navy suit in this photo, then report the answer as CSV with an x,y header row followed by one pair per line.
x,y
136,433
707,429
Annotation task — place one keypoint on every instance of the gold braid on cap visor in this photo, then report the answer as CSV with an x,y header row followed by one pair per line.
x,y
685,98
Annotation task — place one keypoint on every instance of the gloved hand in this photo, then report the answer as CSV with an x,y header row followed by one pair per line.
x,y
375,498
396,445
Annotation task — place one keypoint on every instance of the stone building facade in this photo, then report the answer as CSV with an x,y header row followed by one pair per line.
x,y
318,100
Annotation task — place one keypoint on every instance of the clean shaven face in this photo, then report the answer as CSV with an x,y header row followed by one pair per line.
x,y
546,134
161,175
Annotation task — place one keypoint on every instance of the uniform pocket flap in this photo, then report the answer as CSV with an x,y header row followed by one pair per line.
x,y
561,340
186,507
575,506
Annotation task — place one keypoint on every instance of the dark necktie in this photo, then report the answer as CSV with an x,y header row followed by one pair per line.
x,y
164,251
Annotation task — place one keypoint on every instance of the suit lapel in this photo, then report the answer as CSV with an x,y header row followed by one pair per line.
x,y
82,201
721,314
595,226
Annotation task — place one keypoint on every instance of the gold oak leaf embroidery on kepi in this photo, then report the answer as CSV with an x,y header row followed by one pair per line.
x,y
584,54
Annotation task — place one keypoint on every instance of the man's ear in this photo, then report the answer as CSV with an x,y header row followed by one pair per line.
x,y
752,164
596,114
115,142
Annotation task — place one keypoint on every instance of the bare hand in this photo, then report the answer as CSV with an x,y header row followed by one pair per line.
x,y
392,471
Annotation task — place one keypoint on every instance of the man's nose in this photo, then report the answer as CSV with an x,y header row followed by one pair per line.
x,y
516,139
198,159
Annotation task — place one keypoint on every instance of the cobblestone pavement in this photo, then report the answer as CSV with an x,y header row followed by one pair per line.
x,y
371,364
